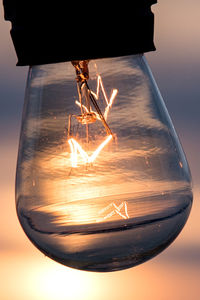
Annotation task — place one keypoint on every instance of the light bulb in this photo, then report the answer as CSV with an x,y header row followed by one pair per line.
x,y
102,181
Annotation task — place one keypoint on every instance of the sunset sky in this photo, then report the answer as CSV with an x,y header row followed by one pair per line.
x,y
25,273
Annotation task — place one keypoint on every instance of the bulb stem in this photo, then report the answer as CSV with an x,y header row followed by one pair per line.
x,y
82,76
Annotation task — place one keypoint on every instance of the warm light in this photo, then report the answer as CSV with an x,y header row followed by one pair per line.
x,y
75,148
110,188
87,115
96,95
57,282
108,102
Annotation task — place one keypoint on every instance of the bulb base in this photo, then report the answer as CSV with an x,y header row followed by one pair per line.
x,y
45,33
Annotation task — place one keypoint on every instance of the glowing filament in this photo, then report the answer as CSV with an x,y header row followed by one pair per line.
x,y
100,84
109,102
82,106
75,148
88,116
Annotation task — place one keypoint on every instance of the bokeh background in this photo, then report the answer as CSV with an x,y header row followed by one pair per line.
x,y
25,273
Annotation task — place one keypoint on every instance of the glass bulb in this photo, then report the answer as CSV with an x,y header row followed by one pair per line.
x,y
102,181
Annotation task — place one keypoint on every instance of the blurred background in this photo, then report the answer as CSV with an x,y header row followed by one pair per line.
x,y
25,273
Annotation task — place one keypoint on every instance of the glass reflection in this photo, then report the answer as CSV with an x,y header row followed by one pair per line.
x,y
127,204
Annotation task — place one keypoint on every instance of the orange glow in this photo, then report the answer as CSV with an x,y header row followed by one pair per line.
x,y
85,118
109,102
112,98
100,84
82,106
89,116
75,148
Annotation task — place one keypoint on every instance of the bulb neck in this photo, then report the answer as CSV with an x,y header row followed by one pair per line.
x,y
44,32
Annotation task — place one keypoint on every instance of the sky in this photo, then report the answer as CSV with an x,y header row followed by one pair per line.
x,y
174,274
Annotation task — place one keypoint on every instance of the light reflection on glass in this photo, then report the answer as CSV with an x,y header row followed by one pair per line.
x,y
128,204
